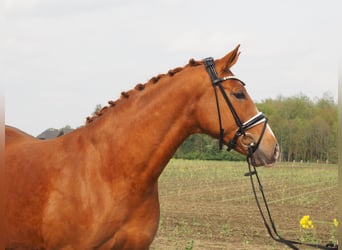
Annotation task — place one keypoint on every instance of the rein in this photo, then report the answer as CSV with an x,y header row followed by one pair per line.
x,y
271,229
252,147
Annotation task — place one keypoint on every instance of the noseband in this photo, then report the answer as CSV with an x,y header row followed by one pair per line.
x,y
242,126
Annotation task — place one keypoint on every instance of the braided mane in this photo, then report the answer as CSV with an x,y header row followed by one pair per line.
x,y
140,87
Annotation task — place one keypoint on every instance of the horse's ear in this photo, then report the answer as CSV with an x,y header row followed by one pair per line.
x,y
230,59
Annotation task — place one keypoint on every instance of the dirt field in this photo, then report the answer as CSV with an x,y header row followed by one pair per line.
x,y
210,205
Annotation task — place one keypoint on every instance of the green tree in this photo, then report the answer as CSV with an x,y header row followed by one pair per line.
x,y
306,130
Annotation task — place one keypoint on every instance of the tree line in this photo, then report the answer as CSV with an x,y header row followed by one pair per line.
x,y
306,131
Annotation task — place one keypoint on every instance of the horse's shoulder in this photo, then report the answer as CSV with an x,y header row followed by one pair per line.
x,y
13,135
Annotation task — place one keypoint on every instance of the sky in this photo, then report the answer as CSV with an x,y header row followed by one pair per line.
x,y
63,57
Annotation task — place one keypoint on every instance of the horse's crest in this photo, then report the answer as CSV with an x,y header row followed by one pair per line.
x,y
140,87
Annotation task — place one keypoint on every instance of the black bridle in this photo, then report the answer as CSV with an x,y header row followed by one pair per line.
x,y
251,148
242,126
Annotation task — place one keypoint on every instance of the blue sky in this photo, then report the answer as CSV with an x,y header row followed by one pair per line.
x,y
62,57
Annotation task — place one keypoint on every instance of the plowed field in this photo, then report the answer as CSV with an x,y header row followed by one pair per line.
x,y
210,205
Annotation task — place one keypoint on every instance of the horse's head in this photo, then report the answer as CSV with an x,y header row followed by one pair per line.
x,y
227,112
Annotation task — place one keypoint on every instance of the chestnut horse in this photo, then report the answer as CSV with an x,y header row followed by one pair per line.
x,y
97,187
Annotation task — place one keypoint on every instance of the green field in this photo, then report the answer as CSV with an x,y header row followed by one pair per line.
x,y
210,204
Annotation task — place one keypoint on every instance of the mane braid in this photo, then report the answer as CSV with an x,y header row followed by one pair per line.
x,y
140,87
125,94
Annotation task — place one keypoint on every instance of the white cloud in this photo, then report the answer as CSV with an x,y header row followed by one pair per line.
x,y
20,4
97,48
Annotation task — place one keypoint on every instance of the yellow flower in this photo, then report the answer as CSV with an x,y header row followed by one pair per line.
x,y
306,223
335,222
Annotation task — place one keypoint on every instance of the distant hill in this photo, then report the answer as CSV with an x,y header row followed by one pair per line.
x,y
51,133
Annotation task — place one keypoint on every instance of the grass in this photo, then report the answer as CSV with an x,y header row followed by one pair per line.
x,y
210,205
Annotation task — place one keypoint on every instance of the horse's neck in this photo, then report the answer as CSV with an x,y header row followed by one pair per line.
x,y
140,136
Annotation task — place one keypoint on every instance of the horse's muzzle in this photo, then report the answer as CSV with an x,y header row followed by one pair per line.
x,y
266,157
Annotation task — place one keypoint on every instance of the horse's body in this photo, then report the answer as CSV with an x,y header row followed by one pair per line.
x,y
97,187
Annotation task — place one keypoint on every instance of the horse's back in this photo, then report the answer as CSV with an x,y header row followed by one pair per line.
x,y
27,182
14,135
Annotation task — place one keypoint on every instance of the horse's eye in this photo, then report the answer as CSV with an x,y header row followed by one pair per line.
x,y
239,95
